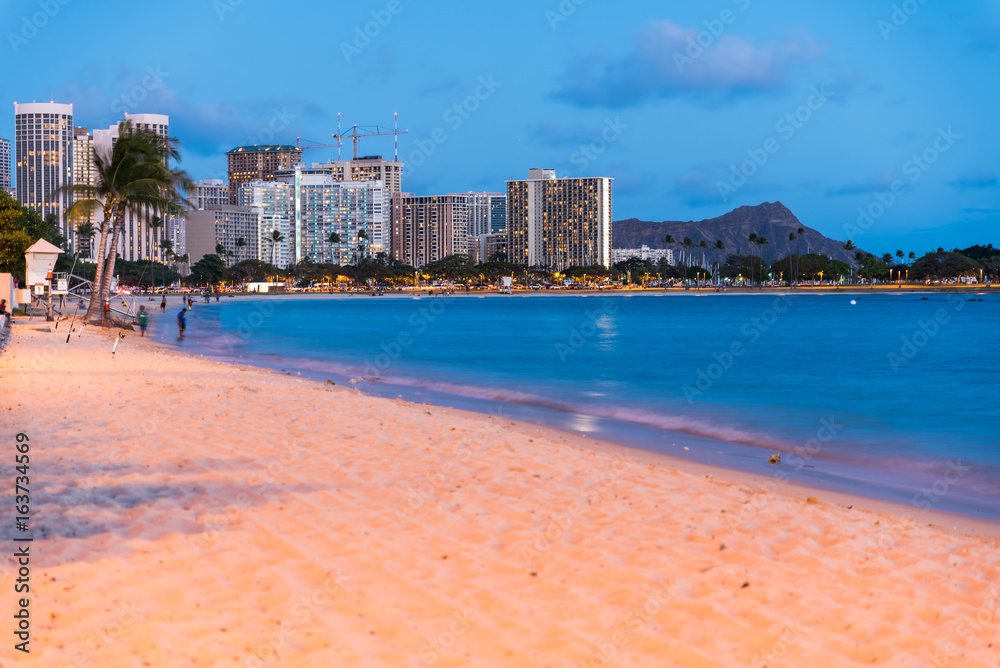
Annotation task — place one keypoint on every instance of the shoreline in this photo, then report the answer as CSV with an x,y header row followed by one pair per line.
x,y
738,461
777,480
256,518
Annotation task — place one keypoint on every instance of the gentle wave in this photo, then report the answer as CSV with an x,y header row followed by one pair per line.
x,y
674,423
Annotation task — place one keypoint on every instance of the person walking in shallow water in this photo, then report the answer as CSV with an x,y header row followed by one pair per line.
x,y
182,321
143,320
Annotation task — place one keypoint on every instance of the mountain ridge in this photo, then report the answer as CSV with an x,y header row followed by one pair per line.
x,y
771,219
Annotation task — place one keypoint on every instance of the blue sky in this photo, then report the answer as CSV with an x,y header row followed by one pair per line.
x,y
694,108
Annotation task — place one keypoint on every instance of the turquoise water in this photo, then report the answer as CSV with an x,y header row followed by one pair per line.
x,y
894,395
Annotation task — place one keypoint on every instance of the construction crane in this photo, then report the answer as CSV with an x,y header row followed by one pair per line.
x,y
298,144
372,131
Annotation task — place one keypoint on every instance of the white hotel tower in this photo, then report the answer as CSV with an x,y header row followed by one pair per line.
x,y
43,145
140,241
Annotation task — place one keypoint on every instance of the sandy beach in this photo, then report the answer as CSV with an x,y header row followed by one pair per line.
x,y
187,512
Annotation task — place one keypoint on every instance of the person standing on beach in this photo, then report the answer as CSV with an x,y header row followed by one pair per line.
x,y
143,320
182,321
163,304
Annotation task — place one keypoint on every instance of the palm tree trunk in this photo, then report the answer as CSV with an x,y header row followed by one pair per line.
x,y
109,269
95,310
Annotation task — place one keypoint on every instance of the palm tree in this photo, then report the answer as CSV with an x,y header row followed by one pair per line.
x,y
362,237
240,244
887,258
134,177
719,246
849,246
166,250
704,246
791,259
753,240
900,255
687,243
670,241
276,238
912,256
761,241
798,251
86,232
334,239
154,224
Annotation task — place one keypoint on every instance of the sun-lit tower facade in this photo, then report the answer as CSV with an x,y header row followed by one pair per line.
x,y
258,163
43,143
83,173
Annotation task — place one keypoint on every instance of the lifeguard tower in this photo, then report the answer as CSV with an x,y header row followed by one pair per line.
x,y
39,260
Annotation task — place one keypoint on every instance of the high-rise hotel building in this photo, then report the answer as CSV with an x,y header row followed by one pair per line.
x,y
428,228
306,205
479,210
372,168
141,240
258,163
43,139
559,223
5,166
226,225
498,214
274,205
208,192
85,173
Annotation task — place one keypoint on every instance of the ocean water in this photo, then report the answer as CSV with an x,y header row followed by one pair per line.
x,y
895,396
